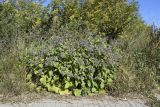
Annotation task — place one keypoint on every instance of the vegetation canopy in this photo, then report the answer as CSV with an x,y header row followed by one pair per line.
x,y
79,47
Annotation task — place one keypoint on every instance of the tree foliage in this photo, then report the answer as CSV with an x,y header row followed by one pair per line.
x,y
108,18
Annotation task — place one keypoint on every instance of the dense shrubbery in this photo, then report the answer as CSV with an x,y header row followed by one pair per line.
x,y
64,64
63,48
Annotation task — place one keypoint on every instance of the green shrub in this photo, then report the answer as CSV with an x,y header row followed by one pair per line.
x,y
81,67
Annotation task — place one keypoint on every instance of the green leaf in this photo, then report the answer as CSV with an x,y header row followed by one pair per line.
x,y
82,83
94,84
76,70
56,89
49,88
67,85
43,81
40,65
76,83
107,71
93,89
53,89
64,92
49,79
109,81
47,85
29,76
50,73
36,72
56,64
77,92
102,84
82,67
89,83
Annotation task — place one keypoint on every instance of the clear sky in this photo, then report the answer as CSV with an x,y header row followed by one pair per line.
x,y
148,9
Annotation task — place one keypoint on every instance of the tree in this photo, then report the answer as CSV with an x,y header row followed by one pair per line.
x,y
108,18
21,15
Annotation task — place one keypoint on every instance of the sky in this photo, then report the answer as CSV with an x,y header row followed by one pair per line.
x,y
149,11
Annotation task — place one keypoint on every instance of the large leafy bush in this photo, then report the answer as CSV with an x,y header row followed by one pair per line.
x,y
81,67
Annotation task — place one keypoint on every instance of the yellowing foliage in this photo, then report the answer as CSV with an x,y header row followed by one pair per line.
x,y
104,16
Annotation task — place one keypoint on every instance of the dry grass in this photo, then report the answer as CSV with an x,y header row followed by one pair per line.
x,y
12,69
